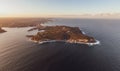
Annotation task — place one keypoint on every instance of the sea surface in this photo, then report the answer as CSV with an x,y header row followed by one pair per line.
x,y
17,53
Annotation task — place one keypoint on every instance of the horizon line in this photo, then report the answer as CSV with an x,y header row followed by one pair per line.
x,y
86,15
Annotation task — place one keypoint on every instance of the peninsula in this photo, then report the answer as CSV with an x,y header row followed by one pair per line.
x,y
61,33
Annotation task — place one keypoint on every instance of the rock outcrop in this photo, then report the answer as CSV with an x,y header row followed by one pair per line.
x,y
1,30
62,33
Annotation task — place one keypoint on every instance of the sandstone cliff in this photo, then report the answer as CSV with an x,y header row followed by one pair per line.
x,y
62,33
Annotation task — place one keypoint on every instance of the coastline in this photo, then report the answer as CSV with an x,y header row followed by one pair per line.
x,y
97,42
2,30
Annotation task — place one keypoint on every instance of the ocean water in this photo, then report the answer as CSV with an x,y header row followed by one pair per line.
x,y
17,53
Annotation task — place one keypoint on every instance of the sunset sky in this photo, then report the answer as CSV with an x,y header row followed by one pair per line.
x,y
38,8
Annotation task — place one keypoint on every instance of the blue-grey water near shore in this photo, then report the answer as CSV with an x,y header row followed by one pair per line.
x,y
19,54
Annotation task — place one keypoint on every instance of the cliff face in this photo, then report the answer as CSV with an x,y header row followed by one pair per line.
x,y
59,33
1,30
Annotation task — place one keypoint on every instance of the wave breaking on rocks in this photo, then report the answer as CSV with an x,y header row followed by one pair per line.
x,y
64,34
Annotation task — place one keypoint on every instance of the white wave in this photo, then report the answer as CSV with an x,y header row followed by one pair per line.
x,y
90,44
41,42
96,43
83,33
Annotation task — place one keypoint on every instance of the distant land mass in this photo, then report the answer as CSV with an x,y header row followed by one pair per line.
x,y
61,33
22,22
1,30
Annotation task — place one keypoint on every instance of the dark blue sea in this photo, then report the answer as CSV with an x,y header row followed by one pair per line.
x,y
17,53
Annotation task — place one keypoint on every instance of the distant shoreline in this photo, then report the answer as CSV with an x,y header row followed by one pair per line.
x,y
23,22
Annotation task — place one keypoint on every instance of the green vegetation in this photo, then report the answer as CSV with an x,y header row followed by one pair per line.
x,y
66,33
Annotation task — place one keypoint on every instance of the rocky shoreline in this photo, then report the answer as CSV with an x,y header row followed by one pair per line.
x,y
1,30
61,33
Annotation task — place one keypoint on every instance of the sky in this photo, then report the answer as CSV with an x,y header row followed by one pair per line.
x,y
69,8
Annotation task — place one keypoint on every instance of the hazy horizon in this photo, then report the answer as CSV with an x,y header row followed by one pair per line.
x,y
60,8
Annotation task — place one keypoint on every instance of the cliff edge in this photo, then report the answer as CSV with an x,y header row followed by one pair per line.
x,y
61,33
